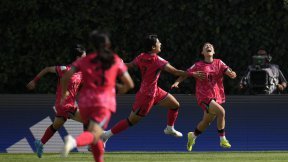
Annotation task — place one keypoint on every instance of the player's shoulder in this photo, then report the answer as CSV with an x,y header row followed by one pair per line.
x,y
160,58
199,63
63,67
219,61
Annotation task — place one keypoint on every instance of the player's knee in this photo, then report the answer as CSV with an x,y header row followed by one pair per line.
x,y
221,113
176,106
132,121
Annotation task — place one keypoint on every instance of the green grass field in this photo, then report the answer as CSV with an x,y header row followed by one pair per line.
x,y
155,157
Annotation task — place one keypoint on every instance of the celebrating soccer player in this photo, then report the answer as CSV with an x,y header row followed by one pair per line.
x,y
67,110
97,98
149,94
209,93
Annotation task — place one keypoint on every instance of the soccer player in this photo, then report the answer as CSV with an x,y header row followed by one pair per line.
x,y
68,110
97,98
149,94
209,93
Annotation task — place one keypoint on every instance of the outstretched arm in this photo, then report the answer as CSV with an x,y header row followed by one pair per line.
x,y
178,81
32,84
170,69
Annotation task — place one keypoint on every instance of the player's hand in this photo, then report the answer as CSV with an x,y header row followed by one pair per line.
x,y
175,85
280,87
199,75
231,74
31,85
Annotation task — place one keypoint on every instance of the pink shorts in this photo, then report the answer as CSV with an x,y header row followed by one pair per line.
x,y
99,115
143,103
65,112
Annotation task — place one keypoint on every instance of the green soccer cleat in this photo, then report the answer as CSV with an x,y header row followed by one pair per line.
x,y
225,144
191,141
39,148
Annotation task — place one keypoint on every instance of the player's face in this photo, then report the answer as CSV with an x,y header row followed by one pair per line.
x,y
208,50
157,47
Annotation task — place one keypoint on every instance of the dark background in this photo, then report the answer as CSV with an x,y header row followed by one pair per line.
x,y
39,33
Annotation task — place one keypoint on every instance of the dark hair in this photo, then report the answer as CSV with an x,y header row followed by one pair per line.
x,y
201,49
77,50
149,41
101,43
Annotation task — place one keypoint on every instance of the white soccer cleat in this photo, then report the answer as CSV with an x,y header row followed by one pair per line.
x,y
173,132
69,145
104,138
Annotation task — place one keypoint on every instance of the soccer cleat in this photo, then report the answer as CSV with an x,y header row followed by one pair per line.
x,y
39,148
191,141
225,144
173,132
69,145
104,138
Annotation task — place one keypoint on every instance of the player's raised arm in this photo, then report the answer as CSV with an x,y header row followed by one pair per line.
x,y
31,85
170,69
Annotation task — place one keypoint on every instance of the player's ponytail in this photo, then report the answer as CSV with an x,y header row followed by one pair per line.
x,y
101,44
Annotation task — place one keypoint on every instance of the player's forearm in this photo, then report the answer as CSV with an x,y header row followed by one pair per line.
x,y
44,71
180,73
180,79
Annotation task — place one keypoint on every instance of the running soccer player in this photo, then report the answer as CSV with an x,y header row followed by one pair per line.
x,y
97,98
149,94
68,110
209,93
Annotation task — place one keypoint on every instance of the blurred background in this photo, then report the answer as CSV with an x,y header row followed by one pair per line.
x,y
38,33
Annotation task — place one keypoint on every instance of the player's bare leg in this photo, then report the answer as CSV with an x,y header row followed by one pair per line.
x,y
219,111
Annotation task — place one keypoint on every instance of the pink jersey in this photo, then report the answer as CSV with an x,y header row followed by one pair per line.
x,y
73,87
98,85
211,87
150,66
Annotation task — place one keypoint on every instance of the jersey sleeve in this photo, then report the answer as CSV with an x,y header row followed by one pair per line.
x,y
122,68
60,70
192,69
162,62
77,64
223,66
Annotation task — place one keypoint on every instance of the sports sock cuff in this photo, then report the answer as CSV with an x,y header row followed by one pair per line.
x,y
128,121
221,131
52,128
197,132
